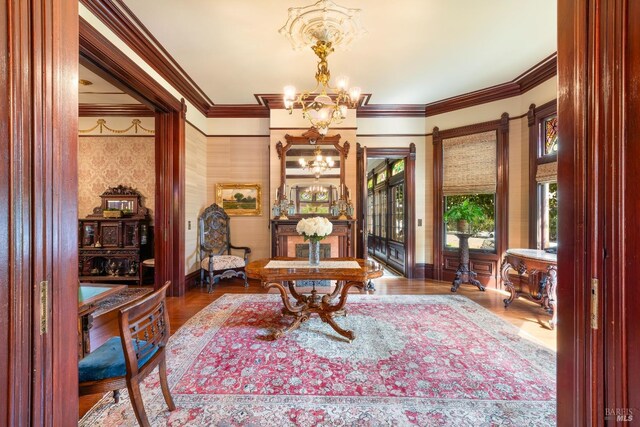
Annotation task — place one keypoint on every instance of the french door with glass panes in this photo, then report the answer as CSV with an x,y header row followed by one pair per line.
x,y
387,215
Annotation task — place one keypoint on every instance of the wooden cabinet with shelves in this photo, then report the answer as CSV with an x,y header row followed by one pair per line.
x,y
111,249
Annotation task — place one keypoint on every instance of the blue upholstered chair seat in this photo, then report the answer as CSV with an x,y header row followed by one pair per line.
x,y
107,361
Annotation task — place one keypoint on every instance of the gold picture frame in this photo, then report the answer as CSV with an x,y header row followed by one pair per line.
x,y
239,199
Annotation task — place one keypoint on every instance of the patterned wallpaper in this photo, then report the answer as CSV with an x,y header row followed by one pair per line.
x,y
108,161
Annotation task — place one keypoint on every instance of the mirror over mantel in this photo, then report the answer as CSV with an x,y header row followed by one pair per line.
x,y
308,191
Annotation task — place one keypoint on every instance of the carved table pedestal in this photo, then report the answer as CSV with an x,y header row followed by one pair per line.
x,y
326,306
464,273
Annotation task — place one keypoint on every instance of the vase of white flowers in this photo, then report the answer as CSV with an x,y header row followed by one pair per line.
x,y
313,230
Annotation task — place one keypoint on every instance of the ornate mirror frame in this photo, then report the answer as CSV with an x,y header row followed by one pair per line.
x,y
312,138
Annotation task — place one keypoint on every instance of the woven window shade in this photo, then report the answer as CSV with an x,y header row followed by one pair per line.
x,y
547,173
469,164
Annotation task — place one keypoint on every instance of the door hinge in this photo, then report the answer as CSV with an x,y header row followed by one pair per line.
x,y
44,307
594,303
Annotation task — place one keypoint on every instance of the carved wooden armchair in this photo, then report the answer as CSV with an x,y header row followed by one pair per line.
x,y
124,361
215,248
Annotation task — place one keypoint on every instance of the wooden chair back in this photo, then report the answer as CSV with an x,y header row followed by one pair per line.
x,y
144,328
214,232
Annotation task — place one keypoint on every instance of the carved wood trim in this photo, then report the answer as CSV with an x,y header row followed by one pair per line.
x,y
391,110
238,111
361,201
311,137
119,19
624,330
110,110
580,387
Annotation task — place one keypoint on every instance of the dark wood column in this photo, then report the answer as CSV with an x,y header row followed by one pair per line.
x,y
169,219
599,237
38,213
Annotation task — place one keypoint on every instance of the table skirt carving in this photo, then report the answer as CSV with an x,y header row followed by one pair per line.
x,y
531,262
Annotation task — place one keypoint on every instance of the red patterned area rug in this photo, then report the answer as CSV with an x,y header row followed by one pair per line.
x,y
430,360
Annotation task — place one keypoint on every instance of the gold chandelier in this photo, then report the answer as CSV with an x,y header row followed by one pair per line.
x,y
323,27
318,165
317,188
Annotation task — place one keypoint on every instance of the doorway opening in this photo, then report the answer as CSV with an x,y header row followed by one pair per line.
x,y
116,184
386,212
101,57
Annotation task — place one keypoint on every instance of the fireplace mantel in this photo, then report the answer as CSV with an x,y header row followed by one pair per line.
x,y
284,237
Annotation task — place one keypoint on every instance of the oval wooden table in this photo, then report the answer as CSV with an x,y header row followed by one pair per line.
x,y
327,306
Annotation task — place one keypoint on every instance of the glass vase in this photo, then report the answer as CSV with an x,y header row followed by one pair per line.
x,y
314,252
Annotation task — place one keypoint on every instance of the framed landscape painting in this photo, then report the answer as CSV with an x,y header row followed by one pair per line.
x,y
239,199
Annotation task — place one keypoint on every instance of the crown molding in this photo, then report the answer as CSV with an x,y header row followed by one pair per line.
x,y
111,110
539,73
95,49
275,101
536,75
123,22
391,110
119,19
531,78
237,111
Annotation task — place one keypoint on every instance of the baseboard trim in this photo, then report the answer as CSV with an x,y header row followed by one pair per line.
x,y
191,279
423,271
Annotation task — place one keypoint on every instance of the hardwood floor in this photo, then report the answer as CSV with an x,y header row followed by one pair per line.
x,y
524,314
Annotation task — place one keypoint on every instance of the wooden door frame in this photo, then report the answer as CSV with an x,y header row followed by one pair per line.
x,y
598,109
38,215
105,59
409,154
361,200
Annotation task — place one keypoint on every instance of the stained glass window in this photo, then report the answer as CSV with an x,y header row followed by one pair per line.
x,y
550,126
382,177
397,167
370,214
397,213
370,184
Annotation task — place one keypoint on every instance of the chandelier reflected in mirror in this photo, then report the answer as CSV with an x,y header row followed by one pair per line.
x,y
318,164
323,27
317,189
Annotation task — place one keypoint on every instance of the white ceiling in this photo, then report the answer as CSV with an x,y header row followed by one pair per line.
x,y
415,51
101,91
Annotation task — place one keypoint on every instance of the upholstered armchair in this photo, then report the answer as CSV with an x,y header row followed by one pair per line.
x,y
215,248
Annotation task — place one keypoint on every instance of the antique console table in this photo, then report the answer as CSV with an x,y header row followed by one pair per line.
x,y
464,274
280,272
532,262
